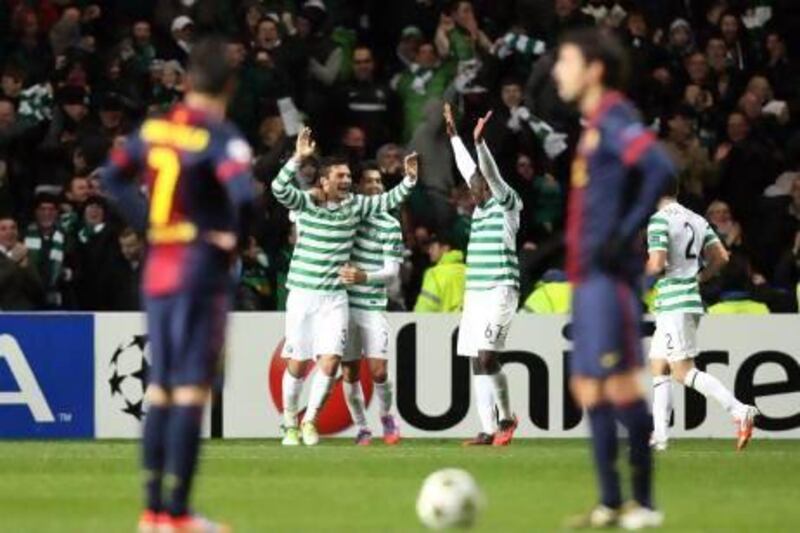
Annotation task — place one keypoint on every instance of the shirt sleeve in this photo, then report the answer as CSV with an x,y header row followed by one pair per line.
x,y
393,245
637,149
367,206
466,166
286,192
657,234
234,171
710,236
505,195
119,179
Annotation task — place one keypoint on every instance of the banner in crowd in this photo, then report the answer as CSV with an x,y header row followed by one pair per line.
x,y
84,375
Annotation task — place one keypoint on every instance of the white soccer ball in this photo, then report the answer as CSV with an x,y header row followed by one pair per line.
x,y
449,498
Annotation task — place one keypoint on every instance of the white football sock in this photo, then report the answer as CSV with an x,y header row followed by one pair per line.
x,y
354,397
384,393
500,389
321,387
484,399
291,388
708,385
662,406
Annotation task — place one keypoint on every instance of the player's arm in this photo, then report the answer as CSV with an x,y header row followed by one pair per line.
x,y
119,180
392,259
504,194
282,186
381,203
715,255
657,246
466,166
640,151
234,172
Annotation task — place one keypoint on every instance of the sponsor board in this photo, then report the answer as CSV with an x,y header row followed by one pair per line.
x,y
121,361
46,376
757,357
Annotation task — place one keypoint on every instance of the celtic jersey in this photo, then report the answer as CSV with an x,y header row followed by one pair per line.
x,y
378,240
683,234
325,233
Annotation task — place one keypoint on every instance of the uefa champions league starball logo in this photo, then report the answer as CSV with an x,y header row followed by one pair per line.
x,y
127,379
334,416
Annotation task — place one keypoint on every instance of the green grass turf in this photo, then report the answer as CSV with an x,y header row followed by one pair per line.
x,y
259,486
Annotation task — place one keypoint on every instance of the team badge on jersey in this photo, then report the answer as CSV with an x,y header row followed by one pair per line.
x,y
580,174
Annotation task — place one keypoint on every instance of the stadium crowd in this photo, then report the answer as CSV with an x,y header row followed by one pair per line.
x,y
715,78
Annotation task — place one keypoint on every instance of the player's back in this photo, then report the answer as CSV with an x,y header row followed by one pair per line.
x,y
682,234
187,158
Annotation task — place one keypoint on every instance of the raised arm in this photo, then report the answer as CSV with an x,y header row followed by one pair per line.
x,y
119,181
504,195
466,166
282,186
371,205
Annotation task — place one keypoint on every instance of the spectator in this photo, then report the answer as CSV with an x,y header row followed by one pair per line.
x,y
779,69
551,296
182,30
12,82
128,272
425,80
746,168
46,244
367,102
390,162
97,254
20,287
443,284
737,296
728,229
458,35
696,173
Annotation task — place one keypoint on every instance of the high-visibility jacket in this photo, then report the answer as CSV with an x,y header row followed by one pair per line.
x,y
738,304
550,297
443,285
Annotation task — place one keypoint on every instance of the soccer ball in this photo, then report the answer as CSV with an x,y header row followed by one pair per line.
x,y
449,498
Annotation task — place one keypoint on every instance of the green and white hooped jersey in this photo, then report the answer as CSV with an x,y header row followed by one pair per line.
x,y
684,235
325,234
492,250
378,239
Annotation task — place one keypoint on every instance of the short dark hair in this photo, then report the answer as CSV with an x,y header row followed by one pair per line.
x,y
598,46
210,72
368,166
327,163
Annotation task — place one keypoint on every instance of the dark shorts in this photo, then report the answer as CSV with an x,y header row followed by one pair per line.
x,y
606,318
186,332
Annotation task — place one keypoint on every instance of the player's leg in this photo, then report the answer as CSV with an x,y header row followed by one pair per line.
x,y
623,389
198,333
374,331
662,383
467,346
711,387
503,307
154,432
354,397
297,351
291,389
330,340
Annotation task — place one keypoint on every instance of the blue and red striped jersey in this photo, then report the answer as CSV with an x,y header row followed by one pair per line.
x,y
195,172
618,175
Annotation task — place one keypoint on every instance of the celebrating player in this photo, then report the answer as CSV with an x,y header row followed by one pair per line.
x,y
197,170
618,175
317,307
677,240
492,290
375,262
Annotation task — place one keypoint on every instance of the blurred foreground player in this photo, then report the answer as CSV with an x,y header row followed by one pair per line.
x,y
196,169
618,175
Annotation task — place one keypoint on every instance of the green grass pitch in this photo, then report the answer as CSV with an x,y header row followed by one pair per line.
x,y
259,486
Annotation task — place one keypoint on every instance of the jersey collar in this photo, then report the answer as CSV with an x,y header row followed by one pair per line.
x,y
609,100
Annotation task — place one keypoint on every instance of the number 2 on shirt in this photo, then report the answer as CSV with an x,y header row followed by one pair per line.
x,y
167,166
